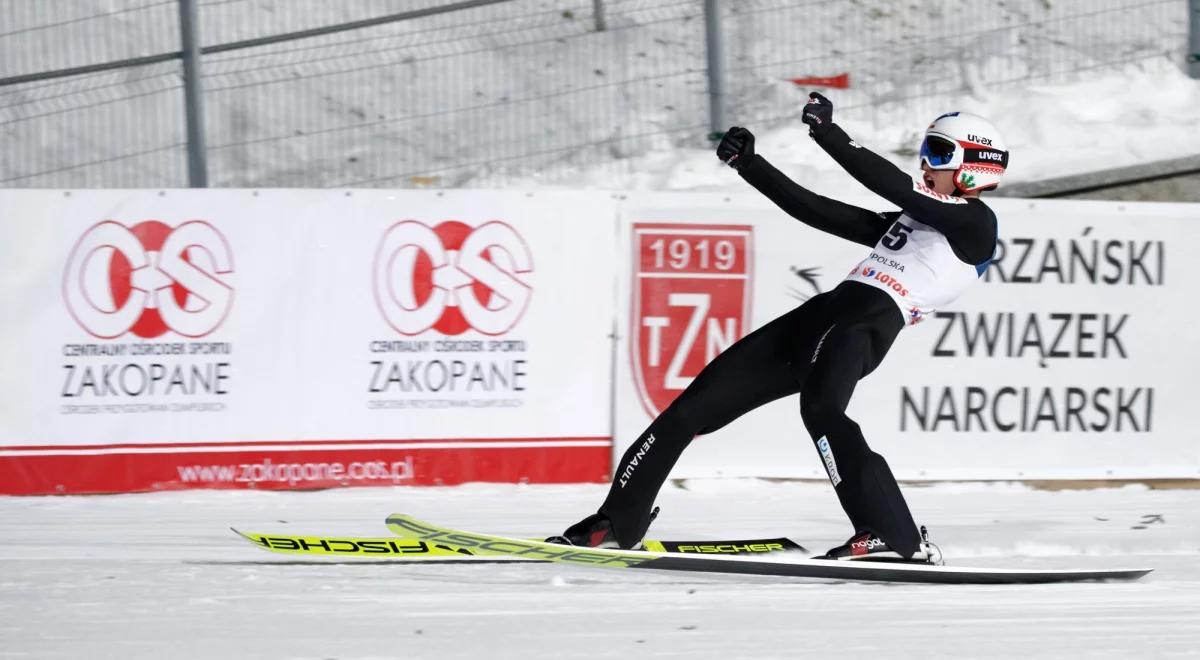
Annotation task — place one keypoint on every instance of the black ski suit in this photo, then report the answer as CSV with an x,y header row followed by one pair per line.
x,y
819,350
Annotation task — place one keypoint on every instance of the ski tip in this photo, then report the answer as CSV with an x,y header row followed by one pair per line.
x,y
254,537
249,536
1120,575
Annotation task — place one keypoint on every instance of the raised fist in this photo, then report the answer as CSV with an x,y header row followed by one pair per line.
x,y
736,147
818,113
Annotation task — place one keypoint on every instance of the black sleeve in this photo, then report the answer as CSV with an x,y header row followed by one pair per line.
x,y
831,216
969,225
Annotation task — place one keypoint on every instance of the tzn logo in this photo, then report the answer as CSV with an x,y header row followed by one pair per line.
x,y
691,301
149,279
452,278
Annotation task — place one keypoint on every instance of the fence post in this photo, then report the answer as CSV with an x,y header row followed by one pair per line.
x,y
598,14
1193,51
716,68
192,95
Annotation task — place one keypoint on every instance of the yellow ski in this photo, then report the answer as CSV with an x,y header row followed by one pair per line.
x,y
402,548
347,546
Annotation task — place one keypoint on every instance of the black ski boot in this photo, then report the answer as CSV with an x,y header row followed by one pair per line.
x,y
865,546
595,531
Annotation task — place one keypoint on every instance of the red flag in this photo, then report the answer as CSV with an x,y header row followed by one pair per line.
x,y
840,81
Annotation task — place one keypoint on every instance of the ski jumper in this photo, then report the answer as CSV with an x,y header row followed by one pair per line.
x,y
923,257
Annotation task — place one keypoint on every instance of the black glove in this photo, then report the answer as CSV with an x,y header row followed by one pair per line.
x,y
818,114
737,147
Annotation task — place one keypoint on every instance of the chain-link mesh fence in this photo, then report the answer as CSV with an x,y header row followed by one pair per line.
x,y
919,54
120,128
527,88
467,98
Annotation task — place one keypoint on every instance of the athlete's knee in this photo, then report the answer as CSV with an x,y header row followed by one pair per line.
x,y
676,414
689,415
818,410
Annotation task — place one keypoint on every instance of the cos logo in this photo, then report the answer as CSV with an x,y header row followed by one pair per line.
x,y
451,278
149,279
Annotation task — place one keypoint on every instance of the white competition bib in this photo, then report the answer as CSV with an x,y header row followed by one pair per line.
x,y
915,265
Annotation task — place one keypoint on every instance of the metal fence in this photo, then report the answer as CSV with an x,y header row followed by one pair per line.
x,y
522,90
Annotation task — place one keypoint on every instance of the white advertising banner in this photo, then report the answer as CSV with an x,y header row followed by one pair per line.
x,y
1071,359
445,336
300,339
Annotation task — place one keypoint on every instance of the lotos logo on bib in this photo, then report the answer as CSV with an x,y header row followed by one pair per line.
x,y
887,280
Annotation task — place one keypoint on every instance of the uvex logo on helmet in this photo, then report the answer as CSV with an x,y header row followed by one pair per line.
x,y
451,277
148,279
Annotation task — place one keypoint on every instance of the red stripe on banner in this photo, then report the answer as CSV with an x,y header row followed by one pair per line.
x,y
300,469
676,228
282,443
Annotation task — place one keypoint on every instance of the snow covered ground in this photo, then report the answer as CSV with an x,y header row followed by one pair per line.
x,y
160,575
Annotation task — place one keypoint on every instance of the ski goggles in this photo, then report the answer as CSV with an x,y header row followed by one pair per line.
x,y
938,152
945,154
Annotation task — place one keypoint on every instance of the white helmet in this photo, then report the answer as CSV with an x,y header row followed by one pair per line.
x,y
969,145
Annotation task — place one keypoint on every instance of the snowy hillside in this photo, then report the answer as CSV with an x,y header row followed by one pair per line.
x,y
1146,113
